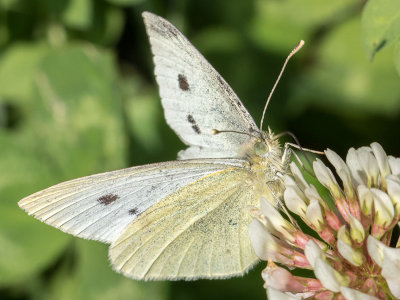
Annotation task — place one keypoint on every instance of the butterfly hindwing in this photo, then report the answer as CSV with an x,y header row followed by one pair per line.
x,y
196,99
201,231
99,207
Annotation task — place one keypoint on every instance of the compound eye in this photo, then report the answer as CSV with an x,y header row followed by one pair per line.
x,y
260,148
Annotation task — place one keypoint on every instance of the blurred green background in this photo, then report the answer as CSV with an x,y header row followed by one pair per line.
x,y
78,96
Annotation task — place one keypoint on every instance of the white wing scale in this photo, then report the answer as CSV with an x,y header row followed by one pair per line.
x,y
174,220
100,206
196,99
201,231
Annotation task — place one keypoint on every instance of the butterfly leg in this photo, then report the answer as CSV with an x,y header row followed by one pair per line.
x,y
297,158
281,205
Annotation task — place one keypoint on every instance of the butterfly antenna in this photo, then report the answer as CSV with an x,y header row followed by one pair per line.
x,y
216,131
294,51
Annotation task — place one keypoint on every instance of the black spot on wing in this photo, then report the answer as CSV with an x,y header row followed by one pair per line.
x,y
107,199
192,121
231,222
183,83
196,129
133,212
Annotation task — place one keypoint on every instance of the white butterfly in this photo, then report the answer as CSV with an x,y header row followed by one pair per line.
x,y
184,219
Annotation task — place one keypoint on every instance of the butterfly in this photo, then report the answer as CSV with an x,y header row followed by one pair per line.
x,y
183,219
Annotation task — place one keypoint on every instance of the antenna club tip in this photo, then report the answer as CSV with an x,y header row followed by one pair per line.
x,y
214,131
297,48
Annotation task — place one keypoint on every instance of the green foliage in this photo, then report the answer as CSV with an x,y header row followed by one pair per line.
x,y
77,97
380,25
346,79
277,24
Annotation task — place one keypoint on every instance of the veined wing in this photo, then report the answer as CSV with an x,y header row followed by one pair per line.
x,y
200,231
100,206
196,99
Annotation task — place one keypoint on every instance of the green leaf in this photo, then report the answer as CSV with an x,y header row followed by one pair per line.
x,y
72,126
143,112
17,66
219,39
125,2
108,24
380,25
26,245
343,77
78,111
278,25
89,275
78,14
397,57
7,4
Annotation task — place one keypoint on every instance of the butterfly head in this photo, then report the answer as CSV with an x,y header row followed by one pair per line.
x,y
266,144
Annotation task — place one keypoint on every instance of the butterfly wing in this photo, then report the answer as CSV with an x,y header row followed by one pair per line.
x,y
196,99
200,231
100,206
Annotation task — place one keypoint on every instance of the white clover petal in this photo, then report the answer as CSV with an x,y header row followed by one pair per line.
x,y
351,294
342,170
265,245
370,166
275,219
323,173
366,199
393,178
375,250
393,189
391,269
357,172
281,279
295,201
349,253
394,164
329,277
344,235
289,181
389,260
298,176
268,210
335,159
262,241
312,251
384,210
312,194
364,148
326,177
314,214
274,294
276,277
345,176
382,159
357,231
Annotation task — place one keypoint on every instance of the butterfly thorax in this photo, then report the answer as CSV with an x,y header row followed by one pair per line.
x,y
268,162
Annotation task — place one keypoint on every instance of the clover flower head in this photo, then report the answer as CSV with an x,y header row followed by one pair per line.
x,y
351,244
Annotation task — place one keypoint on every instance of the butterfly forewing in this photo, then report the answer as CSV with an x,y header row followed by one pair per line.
x,y
184,219
201,231
100,206
196,99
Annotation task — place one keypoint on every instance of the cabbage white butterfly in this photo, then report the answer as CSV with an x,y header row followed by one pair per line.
x,y
184,219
